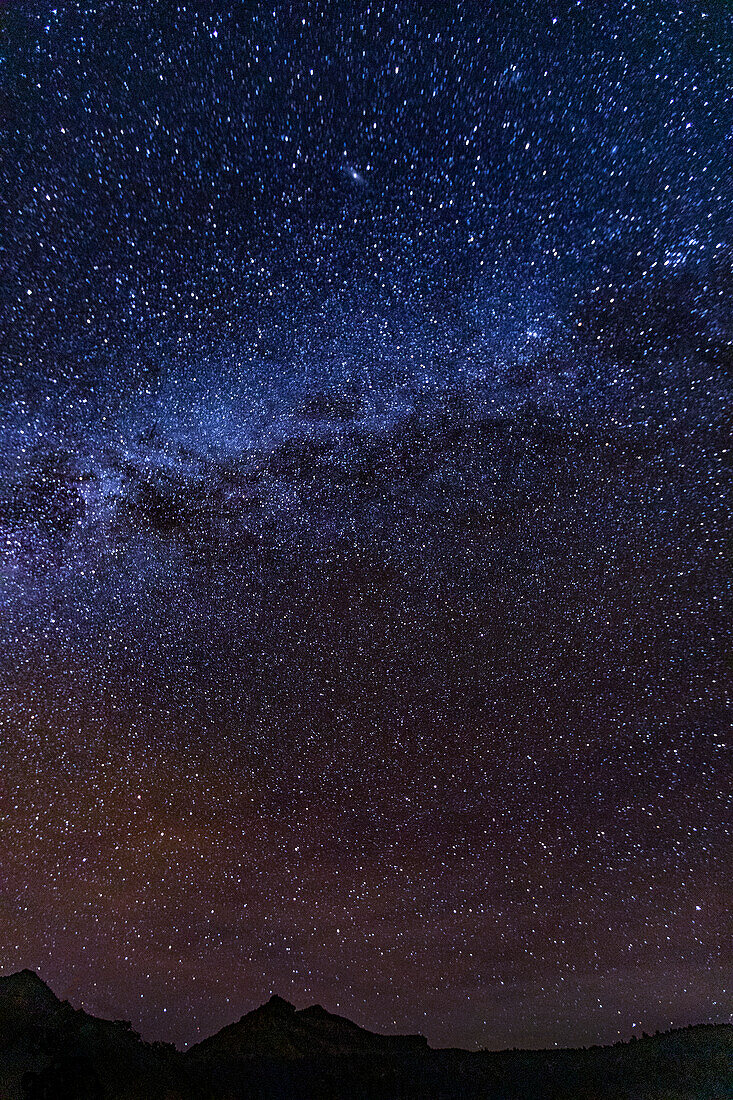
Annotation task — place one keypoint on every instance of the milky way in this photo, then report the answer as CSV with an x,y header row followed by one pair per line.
x,y
362,488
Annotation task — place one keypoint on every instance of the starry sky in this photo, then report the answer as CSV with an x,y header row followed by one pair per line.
x,y
365,409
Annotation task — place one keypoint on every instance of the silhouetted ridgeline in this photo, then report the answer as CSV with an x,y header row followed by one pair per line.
x,y
50,1050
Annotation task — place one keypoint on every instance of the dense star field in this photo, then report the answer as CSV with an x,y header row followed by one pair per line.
x,y
363,490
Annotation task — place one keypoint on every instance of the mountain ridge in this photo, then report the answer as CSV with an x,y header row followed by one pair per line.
x,y
52,1051
301,1033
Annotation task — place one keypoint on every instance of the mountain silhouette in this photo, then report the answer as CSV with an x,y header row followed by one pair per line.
x,y
51,1051
278,1030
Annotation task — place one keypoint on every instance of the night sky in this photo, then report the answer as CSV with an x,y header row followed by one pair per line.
x,y
363,495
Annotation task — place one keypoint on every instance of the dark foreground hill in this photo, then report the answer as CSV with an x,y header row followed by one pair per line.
x,y
50,1051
